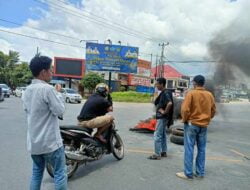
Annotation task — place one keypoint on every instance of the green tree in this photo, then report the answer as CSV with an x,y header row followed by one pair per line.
x,y
21,75
11,72
4,70
13,58
90,80
3,60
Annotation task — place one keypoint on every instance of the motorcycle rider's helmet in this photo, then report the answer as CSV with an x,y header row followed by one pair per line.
x,y
102,89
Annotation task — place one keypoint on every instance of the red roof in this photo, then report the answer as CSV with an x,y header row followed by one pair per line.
x,y
169,72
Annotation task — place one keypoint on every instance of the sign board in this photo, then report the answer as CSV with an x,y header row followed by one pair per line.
x,y
68,67
144,68
105,57
137,80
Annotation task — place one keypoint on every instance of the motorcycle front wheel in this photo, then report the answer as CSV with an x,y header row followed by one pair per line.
x,y
71,168
117,146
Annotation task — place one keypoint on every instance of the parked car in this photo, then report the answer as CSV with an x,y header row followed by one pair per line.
x,y
19,91
1,95
70,95
224,99
6,90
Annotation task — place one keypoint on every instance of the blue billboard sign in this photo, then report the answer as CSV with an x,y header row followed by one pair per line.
x,y
105,57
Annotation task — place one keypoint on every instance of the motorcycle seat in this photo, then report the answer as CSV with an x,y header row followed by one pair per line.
x,y
76,127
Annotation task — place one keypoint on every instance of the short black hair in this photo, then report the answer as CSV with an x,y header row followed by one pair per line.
x,y
161,81
199,79
38,63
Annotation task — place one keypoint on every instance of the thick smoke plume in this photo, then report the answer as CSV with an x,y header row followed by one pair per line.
x,y
231,49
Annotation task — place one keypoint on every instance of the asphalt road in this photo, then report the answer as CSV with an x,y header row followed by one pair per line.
x,y
227,166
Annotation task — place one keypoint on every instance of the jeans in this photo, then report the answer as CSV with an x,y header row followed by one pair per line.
x,y
160,137
192,135
57,160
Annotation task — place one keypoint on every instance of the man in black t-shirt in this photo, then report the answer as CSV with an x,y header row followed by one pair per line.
x,y
164,105
93,113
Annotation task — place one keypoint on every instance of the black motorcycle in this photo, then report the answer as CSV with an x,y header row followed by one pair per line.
x,y
81,147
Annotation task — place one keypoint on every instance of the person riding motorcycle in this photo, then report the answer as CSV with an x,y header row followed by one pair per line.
x,y
93,113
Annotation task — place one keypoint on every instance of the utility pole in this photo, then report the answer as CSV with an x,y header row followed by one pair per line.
x,y
37,50
110,74
156,68
151,56
163,45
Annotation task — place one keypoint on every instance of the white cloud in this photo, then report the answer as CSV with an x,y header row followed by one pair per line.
x,y
187,24
5,46
194,50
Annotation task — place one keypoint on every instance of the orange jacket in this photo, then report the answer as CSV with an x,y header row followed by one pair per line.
x,y
198,107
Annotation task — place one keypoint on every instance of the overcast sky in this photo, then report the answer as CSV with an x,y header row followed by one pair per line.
x,y
188,26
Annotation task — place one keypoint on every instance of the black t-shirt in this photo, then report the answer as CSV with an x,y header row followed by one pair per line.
x,y
95,106
161,102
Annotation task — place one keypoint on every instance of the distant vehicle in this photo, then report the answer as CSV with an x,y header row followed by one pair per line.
x,y
1,95
6,90
224,99
70,95
19,91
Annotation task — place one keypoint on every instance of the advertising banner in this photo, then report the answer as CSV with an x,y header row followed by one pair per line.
x,y
106,57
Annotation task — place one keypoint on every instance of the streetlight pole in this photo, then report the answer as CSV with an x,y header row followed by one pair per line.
x,y
110,74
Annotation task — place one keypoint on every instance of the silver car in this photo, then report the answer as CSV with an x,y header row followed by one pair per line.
x,y
1,95
5,90
70,95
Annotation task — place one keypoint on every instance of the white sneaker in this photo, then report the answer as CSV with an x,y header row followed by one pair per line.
x,y
183,176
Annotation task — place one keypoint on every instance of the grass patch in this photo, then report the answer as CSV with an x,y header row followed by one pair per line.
x,y
131,96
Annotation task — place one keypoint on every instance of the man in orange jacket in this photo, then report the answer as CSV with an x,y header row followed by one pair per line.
x,y
197,110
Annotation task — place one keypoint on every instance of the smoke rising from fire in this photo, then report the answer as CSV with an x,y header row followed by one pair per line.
x,y
231,49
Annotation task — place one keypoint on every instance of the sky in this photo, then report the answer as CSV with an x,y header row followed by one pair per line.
x,y
188,26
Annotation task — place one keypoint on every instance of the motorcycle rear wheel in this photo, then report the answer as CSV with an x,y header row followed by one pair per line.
x,y
71,168
117,147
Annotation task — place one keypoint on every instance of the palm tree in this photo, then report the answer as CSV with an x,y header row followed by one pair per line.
x,y
13,58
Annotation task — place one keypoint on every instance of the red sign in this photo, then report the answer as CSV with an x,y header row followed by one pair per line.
x,y
144,68
138,81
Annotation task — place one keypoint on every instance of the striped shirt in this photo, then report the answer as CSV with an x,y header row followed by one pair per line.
x,y
43,105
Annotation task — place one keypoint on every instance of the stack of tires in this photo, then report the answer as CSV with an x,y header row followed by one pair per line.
x,y
177,136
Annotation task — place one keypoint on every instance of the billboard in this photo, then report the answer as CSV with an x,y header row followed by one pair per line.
x,y
106,57
138,80
144,68
68,67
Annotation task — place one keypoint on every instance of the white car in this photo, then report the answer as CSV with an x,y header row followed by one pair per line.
x,y
70,95
19,91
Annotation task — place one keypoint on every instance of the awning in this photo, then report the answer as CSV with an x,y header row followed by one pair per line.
x,y
57,82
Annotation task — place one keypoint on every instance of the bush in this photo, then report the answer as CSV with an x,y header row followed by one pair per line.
x,y
91,80
131,96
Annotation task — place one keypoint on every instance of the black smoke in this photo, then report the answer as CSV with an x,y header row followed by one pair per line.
x,y
230,48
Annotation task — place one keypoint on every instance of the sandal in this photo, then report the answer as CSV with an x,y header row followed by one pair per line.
x,y
154,157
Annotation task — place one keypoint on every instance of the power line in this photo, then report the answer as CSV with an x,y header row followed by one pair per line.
x,y
129,29
75,46
93,20
37,38
191,61
18,24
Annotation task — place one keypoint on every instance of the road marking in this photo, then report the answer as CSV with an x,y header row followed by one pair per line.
x,y
148,151
222,159
240,154
140,151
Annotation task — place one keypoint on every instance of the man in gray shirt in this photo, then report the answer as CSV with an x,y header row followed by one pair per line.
x,y
43,104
